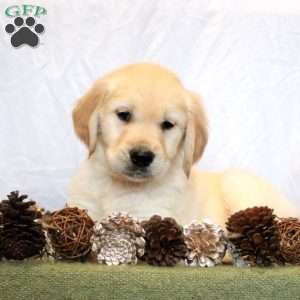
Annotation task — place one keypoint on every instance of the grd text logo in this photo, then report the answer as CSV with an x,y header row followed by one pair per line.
x,y
25,30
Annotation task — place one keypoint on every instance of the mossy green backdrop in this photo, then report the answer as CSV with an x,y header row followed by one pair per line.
x,y
57,280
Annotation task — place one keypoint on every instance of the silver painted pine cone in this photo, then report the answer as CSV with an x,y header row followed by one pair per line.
x,y
118,239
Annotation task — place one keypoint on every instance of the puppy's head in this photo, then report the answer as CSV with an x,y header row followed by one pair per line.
x,y
145,121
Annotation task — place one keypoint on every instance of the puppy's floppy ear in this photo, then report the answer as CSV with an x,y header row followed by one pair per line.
x,y
85,116
196,134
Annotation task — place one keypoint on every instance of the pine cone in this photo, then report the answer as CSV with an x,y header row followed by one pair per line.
x,y
118,239
122,221
20,236
206,244
165,244
254,233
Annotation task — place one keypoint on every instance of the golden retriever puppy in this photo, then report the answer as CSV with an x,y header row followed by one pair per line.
x,y
144,131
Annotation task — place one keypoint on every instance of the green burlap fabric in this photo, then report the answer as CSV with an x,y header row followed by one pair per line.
x,y
37,280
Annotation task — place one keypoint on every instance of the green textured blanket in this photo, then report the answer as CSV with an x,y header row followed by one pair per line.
x,y
38,280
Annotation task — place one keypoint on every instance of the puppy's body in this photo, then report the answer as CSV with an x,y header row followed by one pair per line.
x,y
207,195
144,131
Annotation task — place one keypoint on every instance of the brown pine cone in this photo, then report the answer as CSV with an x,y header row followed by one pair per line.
x,y
15,210
165,244
254,233
20,236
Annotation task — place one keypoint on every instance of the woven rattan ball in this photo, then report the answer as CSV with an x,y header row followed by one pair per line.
x,y
289,232
69,231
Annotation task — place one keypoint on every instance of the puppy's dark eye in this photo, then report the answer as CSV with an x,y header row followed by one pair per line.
x,y
166,125
124,116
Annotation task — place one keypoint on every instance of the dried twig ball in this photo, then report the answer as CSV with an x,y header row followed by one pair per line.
x,y
69,231
20,235
206,244
289,232
118,239
165,244
254,233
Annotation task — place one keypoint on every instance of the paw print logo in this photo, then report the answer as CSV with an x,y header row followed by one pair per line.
x,y
27,33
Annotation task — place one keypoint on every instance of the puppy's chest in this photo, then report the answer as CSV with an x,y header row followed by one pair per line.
x,y
144,202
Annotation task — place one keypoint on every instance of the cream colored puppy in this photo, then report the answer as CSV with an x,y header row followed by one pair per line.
x,y
144,131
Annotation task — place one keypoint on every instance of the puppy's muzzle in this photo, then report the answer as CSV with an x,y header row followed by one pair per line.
x,y
141,157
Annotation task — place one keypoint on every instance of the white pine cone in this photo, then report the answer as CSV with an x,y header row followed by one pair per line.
x,y
118,239
206,244
122,221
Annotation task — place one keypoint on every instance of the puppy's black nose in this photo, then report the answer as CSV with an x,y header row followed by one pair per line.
x,y
141,158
